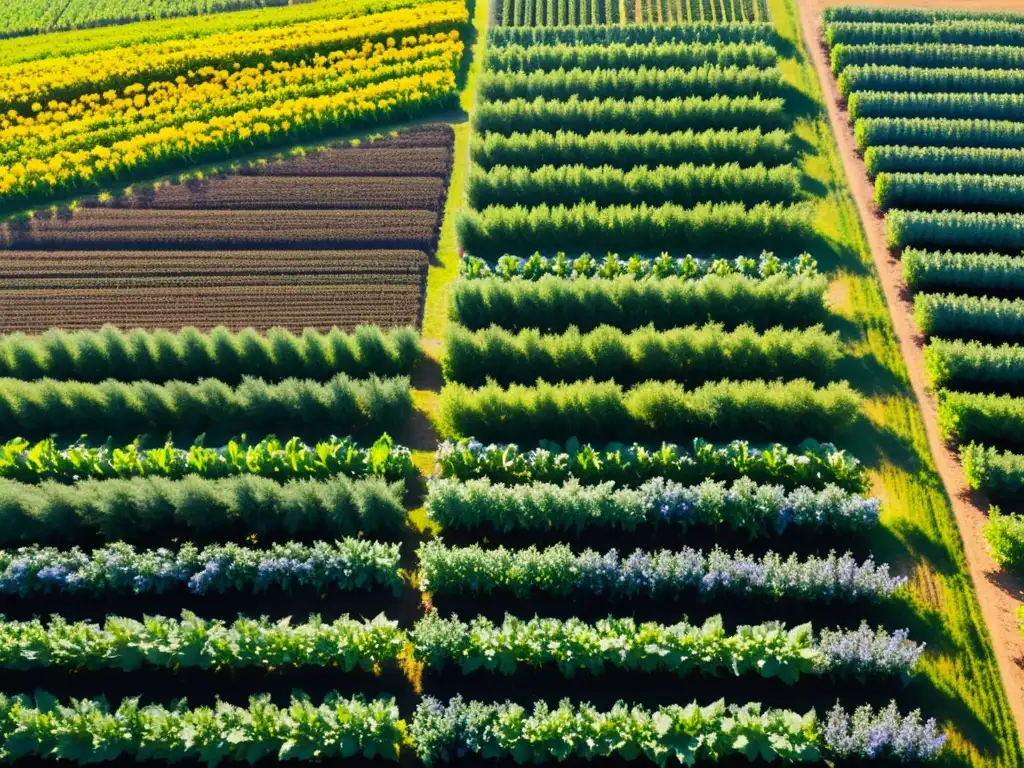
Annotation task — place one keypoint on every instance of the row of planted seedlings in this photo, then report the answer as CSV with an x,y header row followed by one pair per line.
x,y
592,566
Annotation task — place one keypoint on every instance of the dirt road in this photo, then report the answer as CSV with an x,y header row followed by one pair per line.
x,y
999,596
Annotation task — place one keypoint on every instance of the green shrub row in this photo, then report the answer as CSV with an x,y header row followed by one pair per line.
x,y
973,229
634,34
938,131
553,305
876,13
969,364
35,409
757,410
639,114
938,270
188,354
940,55
615,55
644,82
497,230
1000,474
974,105
985,418
236,507
1005,536
949,191
931,80
684,185
690,355
944,160
956,316
625,149
945,31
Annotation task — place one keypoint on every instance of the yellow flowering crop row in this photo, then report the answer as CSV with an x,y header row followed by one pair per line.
x,y
64,78
101,119
222,136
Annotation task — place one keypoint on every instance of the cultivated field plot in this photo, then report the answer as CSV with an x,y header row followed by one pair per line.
x,y
553,13
318,241
938,104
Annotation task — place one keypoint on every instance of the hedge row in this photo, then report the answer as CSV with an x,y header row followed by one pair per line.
x,y
654,410
949,191
643,82
189,355
971,364
876,13
943,314
634,34
1000,474
929,80
150,508
944,160
1005,536
973,105
938,131
946,31
984,418
625,149
684,185
617,55
999,231
496,230
940,55
553,305
689,355
639,114
35,409
947,270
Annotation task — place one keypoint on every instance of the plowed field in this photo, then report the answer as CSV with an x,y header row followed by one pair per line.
x,y
337,237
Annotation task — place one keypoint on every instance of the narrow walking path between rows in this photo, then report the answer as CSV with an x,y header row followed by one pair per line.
x,y
998,593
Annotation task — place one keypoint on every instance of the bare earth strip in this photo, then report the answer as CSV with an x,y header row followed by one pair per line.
x,y
998,594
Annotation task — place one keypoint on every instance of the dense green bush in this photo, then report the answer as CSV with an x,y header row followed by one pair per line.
x,y
634,34
983,418
36,409
964,271
958,316
944,160
155,507
948,31
499,229
1005,536
625,149
876,13
938,131
941,55
999,231
684,185
1000,474
981,106
949,191
971,364
922,80
553,305
188,354
614,55
689,355
639,114
654,410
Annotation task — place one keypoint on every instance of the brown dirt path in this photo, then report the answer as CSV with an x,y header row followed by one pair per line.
x,y
998,593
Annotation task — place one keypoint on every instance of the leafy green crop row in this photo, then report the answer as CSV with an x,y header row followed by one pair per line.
x,y
35,409
684,185
971,364
929,80
940,55
938,131
553,305
944,159
29,463
945,31
984,418
955,316
812,464
234,507
650,411
1000,474
634,34
949,191
689,355
886,13
982,272
1005,536
188,354
986,106
999,231
625,149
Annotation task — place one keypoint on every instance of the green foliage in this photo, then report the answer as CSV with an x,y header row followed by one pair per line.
x,y
985,418
941,314
949,191
189,355
938,131
978,31
344,644
522,58
625,149
684,185
987,106
1000,474
886,13
929,80
944,160
654,410
499,229
553,305
1005,537
973,365
233,507
688,355
87,731
44,460
812,464
999,231
982,272
940,55
634,34
363,406
639,114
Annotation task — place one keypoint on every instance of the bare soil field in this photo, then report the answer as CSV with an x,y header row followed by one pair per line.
x,y
336,237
